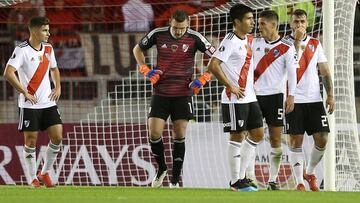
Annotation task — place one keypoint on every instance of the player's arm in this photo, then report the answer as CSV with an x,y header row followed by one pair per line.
x,y
10,76
204,46
153,75
291,67
327,81
215,68
56,92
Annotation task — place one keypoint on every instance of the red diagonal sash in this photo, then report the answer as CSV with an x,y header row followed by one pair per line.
x,y
40,72
268,59
245,68
306,57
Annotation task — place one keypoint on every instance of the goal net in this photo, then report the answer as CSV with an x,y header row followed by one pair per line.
x,y
110,146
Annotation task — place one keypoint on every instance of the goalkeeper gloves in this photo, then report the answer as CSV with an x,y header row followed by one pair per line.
x,y
153,75
200,82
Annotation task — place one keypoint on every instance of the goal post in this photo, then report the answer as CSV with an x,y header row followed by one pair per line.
x,y
328,39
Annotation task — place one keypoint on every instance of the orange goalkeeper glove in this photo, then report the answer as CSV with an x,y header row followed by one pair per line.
x,y
200,82
153,75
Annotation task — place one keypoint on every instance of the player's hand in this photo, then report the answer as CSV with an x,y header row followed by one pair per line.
x,y
55,94
198,83
153,75
289,104
330,104
238,91
31,98
299,33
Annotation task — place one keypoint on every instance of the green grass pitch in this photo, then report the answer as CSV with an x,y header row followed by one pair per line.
x,y
72,194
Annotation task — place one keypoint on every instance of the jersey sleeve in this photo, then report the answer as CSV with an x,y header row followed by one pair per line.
x,y
321,55
53,63
17,58
148,40
291,66
224,50
204,45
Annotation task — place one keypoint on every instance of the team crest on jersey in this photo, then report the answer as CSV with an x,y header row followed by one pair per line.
x,y
185,47
174,47
312,47
26,123
40,58
266,50
47,56
276,53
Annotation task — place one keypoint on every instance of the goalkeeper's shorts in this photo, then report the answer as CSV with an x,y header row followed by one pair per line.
x,y
175,107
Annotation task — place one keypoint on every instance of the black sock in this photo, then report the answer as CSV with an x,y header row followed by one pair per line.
x,y
178,159
157,148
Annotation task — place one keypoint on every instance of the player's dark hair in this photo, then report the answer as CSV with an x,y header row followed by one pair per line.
x,y
269,15
179,16
238,11
299,12
38,21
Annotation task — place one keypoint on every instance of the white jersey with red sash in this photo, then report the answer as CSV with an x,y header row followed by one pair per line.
x,y
33,70
275,63
308,85
237,65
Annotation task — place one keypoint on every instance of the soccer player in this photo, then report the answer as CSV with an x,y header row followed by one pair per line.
x,y
233,66
171,78
309,114
32,60
275,62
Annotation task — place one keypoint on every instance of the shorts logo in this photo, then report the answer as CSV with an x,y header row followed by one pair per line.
x,y
227,125
13,56
222,48
26,123
241,123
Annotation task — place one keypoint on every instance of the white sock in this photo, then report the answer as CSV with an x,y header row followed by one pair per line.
x,y
234,160
275,160
247,152
30,161
316,155
51,153
250,171
297,162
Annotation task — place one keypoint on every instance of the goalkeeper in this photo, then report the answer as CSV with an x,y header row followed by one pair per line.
x,y
176,46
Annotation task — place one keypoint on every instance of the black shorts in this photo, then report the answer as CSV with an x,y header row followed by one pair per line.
x,y
307,117
177,107
38,119
241,117
272,108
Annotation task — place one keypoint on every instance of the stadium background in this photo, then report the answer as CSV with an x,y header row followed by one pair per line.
x,y
94,53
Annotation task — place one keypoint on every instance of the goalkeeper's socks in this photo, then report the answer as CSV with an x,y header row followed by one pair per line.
x,y
247,152
178,159
297,163
275,159
234,160
157,148
316,155
51,153
29,155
